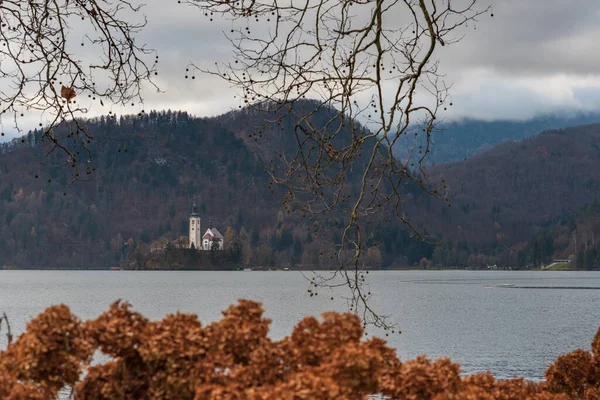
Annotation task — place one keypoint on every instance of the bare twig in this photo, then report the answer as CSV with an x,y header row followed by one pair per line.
x,y
42,73
371,63
9,335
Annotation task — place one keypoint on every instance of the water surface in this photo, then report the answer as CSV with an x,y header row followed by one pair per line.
x,y
511,323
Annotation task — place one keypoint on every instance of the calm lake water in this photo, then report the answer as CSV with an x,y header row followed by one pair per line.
x,y
474,318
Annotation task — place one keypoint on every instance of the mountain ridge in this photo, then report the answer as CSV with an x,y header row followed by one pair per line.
x,y
562,165
151,167
464,138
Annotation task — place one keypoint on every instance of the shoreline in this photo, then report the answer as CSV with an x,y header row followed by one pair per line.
x,y
258,269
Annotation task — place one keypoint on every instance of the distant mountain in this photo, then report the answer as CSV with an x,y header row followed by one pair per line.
x,y
462,139
506,195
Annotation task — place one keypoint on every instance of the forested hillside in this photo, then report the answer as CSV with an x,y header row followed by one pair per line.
x,y
503,197
146,171
576,238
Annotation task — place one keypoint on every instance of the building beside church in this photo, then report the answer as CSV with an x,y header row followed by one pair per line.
x,y
211,235
199,241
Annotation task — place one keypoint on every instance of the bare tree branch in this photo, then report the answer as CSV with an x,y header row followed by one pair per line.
x,y
373,62
41,72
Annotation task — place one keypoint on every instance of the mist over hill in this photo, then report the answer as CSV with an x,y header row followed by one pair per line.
x,y
457,140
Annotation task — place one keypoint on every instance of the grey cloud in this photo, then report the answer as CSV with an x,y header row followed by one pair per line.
x,y
532,37
501,69
495,100
590,96
525,41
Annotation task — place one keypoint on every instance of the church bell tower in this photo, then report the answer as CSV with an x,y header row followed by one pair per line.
x,y
195,232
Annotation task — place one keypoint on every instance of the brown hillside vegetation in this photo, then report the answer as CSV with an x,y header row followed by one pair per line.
x,y
148,168
178,358
505,194
145,172
572,238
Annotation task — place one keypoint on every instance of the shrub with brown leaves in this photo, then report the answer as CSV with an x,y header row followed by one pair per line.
x,y
178,358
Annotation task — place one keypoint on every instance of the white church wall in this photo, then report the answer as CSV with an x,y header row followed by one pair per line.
x,y
195,232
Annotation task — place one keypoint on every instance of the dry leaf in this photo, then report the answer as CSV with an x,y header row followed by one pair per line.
x,y
67,93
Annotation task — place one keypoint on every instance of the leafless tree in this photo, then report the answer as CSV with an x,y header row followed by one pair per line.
x,y
373,62
41,72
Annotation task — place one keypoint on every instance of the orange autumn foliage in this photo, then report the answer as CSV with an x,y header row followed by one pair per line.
x,y
178,358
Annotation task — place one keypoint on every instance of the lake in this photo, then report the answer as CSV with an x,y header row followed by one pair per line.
x,y
475,318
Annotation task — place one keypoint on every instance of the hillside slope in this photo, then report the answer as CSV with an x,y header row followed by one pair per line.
x,y
507,193
150,167
148,170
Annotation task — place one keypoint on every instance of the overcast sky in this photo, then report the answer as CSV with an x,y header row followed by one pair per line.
x,y
533,57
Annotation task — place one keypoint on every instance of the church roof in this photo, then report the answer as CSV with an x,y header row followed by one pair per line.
x,y
217,233
212,232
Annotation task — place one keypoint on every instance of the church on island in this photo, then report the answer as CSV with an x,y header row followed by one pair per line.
x,y
212,237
